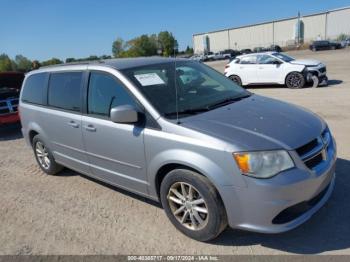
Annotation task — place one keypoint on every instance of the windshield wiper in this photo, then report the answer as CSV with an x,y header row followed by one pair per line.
x,y
191,111
227,101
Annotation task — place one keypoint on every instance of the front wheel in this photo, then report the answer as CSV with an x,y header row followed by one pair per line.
x,y
193,204
295,80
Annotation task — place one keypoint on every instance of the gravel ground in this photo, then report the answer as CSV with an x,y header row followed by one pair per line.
x,y
72,214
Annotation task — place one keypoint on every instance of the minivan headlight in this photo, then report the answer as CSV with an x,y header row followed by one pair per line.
x,y
263,164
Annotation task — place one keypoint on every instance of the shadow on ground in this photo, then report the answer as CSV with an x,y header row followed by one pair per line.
x,y
327,230
331,83
10,132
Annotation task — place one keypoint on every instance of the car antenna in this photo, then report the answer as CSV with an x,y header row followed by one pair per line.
x,y
176,93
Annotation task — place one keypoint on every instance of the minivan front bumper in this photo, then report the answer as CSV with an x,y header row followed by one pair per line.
x,y
280,203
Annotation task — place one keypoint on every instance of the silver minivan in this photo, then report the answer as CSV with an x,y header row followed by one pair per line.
x,y
179,132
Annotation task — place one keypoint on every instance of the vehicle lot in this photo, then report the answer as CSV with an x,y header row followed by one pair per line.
x,y
70,214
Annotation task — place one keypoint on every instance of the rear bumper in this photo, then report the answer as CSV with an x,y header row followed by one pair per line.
x,y
9,119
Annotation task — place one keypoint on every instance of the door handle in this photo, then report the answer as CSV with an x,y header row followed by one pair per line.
x,y
73,124
90,128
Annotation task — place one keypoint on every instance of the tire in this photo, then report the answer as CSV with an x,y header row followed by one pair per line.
x,y
332,47
295,80
236,79
314,49
44,157
208,215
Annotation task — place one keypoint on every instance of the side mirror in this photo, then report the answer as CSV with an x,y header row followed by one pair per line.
x,y
276,62
125,114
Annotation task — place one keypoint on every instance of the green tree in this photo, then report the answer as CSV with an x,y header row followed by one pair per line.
x,y
23,63
35,64
118,47
189,50
167,43
6,64
52,61
70,60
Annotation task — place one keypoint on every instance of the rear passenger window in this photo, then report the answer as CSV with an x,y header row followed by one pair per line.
x,y
35,88
65,90
105,93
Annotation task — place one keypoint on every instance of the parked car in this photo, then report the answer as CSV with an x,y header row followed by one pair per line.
x,y
275,68
275,48
246,51
209,56
345,43
199,58
259,49
219,56
324,45
230,53
10,84
211,152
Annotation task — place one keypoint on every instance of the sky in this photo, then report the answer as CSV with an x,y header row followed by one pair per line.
x,y
41,29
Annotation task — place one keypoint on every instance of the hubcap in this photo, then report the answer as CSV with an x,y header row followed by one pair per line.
x,y
188,206
43,155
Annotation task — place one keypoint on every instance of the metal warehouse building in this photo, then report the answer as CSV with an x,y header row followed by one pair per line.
x,y
284,32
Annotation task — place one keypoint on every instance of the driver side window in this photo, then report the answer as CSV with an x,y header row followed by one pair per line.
x,y
105,92
267,60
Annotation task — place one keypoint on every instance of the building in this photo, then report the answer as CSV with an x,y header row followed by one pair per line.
x,y
284,32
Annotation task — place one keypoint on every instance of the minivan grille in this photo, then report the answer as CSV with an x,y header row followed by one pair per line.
x,y
8,106
314,152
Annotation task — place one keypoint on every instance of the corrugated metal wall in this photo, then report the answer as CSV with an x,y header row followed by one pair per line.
x,y
324,25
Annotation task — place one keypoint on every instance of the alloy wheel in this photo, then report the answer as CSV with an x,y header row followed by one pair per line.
x,y
188,206
42,155
295,80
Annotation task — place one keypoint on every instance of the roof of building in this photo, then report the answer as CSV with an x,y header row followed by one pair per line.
x,y
272,21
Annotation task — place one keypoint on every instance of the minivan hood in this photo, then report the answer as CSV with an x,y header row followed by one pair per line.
x,y
259,123
307,62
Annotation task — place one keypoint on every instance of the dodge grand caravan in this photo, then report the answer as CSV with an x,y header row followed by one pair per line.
x,y
179,132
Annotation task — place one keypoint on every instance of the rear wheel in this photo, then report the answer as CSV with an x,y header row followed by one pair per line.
x,y
314,49
295,80
44,157
332,47
193,204
236,79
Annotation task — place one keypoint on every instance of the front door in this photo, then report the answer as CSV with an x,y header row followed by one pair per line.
x,y
115,151
270,69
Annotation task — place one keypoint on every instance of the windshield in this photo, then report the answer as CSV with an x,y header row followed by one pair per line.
x,y
199,88
283,57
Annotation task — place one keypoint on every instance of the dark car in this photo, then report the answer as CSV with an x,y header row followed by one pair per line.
x,y
10,85
246,51
231,54
275,48
324,45
259,49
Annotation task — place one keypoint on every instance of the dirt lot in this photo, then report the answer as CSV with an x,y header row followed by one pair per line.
x,y
70,214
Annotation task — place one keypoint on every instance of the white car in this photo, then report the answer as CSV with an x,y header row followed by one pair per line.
x,y
275,68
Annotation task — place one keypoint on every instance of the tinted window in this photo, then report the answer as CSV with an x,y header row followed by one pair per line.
x,y
248,60
64,90
105,92
34,89
266,59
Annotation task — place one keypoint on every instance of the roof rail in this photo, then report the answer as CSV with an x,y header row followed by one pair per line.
x,y
75,63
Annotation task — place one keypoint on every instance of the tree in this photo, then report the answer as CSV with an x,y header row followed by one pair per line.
x,y
36,64
6,64
189,50
52,61
118,47
167,43
23,63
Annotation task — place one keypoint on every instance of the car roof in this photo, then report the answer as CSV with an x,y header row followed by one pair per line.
x,y
123,63
259,53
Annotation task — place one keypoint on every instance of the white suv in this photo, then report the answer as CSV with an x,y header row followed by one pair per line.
x,y
274,68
